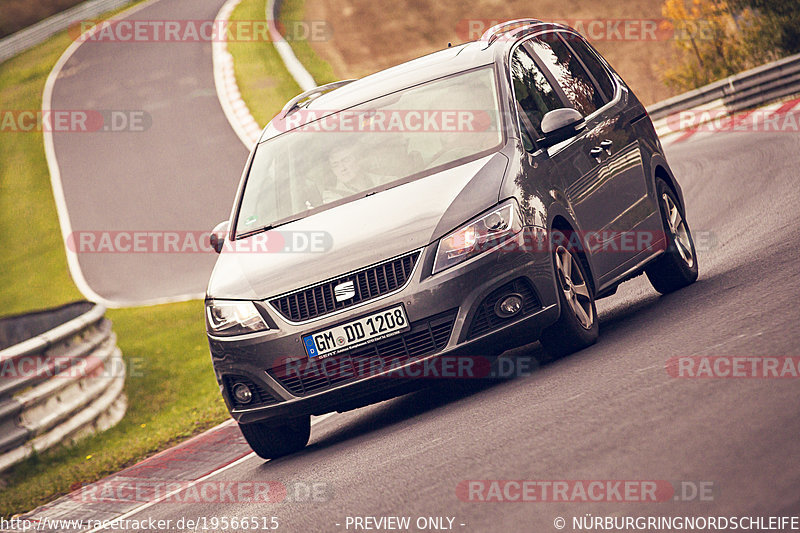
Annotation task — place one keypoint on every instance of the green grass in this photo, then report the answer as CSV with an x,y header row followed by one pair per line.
x,y
321,71
171,392
171,389
262,78
33,261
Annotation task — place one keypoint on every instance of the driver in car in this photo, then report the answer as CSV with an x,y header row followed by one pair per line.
x,y
347,176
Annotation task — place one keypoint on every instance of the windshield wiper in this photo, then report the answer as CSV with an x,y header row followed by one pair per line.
x,y
268,227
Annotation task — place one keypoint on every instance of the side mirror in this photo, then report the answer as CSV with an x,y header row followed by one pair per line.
x,y
559,125
218,234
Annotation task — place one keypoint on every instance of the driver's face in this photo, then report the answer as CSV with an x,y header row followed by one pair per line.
x,y
343,165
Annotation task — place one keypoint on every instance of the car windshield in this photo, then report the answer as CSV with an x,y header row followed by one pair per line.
x,y
367,148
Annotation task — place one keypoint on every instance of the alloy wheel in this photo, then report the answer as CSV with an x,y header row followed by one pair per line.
x,y
574,286
678,230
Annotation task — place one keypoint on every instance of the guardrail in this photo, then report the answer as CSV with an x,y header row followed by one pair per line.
x,y
33,35
746,90
61,377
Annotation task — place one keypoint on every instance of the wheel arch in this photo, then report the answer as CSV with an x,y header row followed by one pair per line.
x,y
660,169
561,223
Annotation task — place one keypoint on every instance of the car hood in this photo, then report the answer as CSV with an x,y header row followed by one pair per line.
x,y
359,233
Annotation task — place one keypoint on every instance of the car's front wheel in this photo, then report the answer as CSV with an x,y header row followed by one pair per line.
x,y
677,266
577,326
275,439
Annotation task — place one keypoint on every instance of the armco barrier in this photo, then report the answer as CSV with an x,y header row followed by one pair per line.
x,y
61,377
746,90
33,35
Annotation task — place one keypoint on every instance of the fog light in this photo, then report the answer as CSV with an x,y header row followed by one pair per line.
x,y
242,393
508,306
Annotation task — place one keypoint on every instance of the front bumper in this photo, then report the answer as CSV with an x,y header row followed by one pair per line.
x,y
450,313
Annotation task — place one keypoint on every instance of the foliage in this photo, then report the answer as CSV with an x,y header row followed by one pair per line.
x,y
718,38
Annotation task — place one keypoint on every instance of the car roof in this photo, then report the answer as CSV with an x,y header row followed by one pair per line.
x,y
436,65
451,60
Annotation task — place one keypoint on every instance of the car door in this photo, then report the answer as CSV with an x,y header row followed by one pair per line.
x,y
611,200
627,177
535,94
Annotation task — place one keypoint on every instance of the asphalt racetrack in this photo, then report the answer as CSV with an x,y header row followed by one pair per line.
x,y
728,447
168,162
612,411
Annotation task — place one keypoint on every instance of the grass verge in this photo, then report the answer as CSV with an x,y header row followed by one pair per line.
x,y
293,14
165,406
260,73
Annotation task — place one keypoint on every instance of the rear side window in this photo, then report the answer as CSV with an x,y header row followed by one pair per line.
x,y
569,72
595,66
533,93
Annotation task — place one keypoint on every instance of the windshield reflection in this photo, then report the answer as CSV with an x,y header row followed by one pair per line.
x,y
331,158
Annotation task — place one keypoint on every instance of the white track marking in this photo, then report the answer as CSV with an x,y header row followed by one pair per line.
x,y
293,65
228,93
235,109
708,130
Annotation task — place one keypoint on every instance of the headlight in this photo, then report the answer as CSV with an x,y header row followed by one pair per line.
x,y
233,318
477,236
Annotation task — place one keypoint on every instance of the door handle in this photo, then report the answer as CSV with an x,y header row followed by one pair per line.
x,y
596,152
606,144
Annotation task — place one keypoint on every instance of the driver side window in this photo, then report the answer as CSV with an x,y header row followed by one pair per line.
x,y
568,72
534,96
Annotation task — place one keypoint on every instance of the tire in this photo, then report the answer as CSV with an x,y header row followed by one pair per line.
x,y
270,440
677,266
577,326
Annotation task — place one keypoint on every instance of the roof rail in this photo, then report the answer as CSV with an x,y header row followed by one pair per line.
x,y
311,94
493,33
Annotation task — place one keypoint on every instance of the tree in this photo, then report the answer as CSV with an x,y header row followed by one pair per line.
x,y
779,24
707,37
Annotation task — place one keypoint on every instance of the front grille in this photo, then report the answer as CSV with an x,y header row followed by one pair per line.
x,y
486,320
307,376
371,282
260,396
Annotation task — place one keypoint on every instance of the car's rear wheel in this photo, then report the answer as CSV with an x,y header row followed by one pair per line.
x,y
275,439
677,266
577,326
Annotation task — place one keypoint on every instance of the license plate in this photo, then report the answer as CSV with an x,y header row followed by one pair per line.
x,y
355,333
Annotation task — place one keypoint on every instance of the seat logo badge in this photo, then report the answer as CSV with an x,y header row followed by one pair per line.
x,y
344,291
